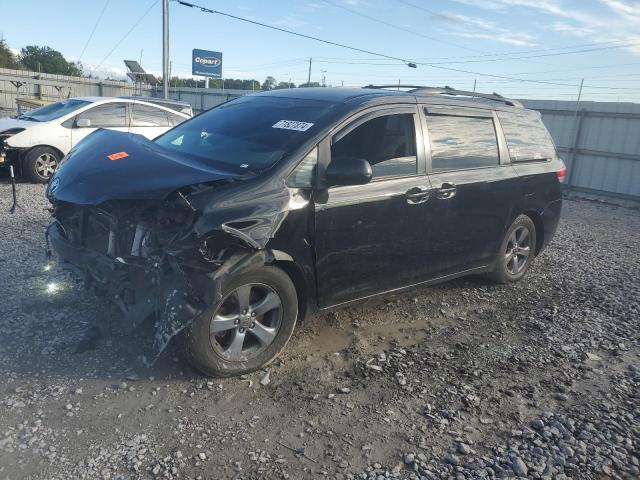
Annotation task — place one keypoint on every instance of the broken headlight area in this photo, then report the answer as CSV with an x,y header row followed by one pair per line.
x,y
145,256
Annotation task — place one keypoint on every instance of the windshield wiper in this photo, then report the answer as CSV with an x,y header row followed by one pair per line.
x,y
27,117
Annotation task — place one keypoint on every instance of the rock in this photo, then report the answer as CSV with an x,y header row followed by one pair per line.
x,y
266,378
409,458
537,424
452,459
519,467
464,449
344,390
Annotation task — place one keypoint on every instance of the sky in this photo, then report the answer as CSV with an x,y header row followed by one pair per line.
x,y
543,47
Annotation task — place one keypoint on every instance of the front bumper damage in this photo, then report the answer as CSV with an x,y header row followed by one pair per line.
x,y
164,274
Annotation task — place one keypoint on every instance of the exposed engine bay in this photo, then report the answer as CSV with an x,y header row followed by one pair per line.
x,y
164,257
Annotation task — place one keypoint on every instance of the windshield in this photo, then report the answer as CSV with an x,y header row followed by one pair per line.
x,y
53,111
252,133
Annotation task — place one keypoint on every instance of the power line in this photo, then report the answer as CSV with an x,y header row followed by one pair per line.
x,y
397,27
538,56
616,44
127,34
405,61
94,29
284,30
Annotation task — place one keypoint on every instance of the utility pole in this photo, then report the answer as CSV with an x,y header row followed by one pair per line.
x,y
474,85
323,77
165,48
577,124
309,77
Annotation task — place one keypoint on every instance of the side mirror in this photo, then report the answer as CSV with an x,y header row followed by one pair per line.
x,y
348,171
83,123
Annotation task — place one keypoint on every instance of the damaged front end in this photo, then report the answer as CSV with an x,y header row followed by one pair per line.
x,y
148,258
159,256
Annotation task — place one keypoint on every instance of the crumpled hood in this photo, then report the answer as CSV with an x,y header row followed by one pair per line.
x,y
110,165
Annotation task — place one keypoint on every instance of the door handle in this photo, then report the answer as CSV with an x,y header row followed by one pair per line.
x,y
446,191
417,195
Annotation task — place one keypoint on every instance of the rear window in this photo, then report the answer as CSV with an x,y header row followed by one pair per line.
x,y
459,143
147,116
527,137
251,132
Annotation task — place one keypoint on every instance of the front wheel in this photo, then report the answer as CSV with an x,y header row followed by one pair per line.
x,y
517,251
247,328
40,163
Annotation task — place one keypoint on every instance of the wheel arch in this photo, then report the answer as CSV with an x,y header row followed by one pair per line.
x,y
286,263
30,149
536,218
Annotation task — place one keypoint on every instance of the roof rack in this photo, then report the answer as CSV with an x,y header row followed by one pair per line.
x,y
452,91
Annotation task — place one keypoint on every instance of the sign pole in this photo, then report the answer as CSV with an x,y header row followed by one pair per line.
x,y
165,48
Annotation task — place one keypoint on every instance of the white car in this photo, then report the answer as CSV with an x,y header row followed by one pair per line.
x,y
36,141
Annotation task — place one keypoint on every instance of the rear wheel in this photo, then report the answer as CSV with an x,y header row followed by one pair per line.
x,y
40,163
248,328
517,251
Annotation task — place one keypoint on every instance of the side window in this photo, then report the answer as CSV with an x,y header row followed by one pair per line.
x,y
148,116
527,137
461,142
303,175
175,119
106,115
388,143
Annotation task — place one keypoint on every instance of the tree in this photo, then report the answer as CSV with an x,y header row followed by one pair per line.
x,y
48,60
7,58
312,84
269,83
284,85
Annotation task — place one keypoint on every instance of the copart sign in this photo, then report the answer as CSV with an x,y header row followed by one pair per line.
x,y
206,63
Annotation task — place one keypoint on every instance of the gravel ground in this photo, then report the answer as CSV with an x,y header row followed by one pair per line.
x,y
464,380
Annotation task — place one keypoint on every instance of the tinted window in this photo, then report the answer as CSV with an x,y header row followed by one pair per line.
x,y
527,137
147,116
251,132
55,110
106,115
461,142
388,143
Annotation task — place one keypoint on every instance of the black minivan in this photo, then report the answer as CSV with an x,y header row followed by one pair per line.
x,y
234,225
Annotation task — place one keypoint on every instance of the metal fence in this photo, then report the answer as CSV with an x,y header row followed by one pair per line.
x,y
599,142
23,84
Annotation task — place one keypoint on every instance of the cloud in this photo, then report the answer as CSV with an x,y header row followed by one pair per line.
x,y
619,23
627,9
480,28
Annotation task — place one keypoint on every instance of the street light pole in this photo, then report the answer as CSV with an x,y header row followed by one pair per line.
x,y
165,48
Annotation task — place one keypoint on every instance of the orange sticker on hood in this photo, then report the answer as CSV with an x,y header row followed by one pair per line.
x,y
117,155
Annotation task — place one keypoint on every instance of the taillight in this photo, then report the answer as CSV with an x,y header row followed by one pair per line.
x,y
562,173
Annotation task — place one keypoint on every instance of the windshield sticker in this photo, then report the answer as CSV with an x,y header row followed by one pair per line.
x,y
117,155
293,125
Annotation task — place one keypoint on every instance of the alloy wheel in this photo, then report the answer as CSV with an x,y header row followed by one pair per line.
x,y
518,250
246,322
45,165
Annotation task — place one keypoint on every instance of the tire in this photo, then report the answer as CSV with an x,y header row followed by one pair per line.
x,y
517,251
39,164
211,342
